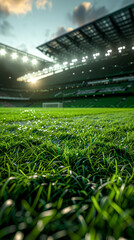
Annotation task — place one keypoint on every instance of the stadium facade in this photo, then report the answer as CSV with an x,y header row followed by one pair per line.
x,y
92,62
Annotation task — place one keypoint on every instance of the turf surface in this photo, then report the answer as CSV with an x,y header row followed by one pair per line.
x,y
66,174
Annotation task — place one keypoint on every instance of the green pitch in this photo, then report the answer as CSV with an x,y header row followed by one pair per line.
x,y
66,174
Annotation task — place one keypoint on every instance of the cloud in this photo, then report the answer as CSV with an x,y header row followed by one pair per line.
x,y
21,6
85,12
16,6
61,30
6,28
42,3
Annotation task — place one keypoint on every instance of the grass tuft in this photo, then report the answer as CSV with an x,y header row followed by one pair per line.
x,y
66,174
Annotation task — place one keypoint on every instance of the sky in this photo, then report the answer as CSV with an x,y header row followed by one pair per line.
x,y
26,24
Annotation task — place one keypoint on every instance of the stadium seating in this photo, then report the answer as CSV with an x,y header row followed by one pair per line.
x,y
84,94
101,102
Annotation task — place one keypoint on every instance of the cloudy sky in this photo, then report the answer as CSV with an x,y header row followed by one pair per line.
x,y
25,24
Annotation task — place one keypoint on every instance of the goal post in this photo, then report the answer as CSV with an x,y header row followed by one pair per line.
x,y
52,105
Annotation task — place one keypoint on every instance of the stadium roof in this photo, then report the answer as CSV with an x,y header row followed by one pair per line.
x,y
109,32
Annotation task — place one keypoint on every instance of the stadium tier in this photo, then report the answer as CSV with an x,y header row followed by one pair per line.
x,y
94,61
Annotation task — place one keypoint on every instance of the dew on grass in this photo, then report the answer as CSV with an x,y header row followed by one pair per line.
x,y
19,236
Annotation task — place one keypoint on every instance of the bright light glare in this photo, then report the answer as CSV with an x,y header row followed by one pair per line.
x,y
132,48
25,59
14,56
34,61
3,52
33,80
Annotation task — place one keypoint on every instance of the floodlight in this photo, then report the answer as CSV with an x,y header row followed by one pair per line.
x,y
14,56
65,63
71,64
34,61
25,59
83,60
2,52
132,48
109,51
74,60
107,54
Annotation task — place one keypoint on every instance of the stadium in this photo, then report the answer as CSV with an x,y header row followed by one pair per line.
x,y
67,140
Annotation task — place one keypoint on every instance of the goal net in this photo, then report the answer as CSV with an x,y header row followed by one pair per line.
x,y
52,105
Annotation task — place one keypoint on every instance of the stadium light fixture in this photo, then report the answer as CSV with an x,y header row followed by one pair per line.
x,y
96,55
121,48
65,63
2,52
109,51
71,64
83,60
133,48
34,61
25,59
74,60
14,56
